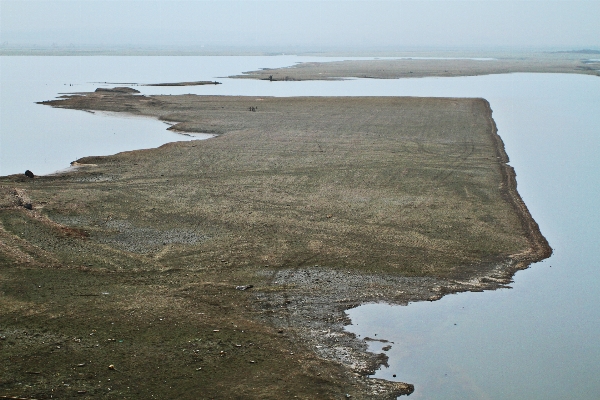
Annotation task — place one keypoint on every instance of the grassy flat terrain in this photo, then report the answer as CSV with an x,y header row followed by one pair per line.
x,y
132,260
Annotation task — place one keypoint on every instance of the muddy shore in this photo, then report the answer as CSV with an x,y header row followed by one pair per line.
x,y
138,260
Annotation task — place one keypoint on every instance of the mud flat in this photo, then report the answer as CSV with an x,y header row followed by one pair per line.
x,y
224,267
568,63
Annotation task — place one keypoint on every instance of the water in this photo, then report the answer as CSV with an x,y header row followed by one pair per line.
x,y
538,340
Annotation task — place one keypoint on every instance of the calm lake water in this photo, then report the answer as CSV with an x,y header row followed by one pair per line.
x,y
538,340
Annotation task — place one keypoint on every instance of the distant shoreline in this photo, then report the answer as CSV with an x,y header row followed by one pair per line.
x,y
331,51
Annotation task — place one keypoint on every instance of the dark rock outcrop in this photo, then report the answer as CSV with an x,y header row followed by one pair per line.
x,y
123,90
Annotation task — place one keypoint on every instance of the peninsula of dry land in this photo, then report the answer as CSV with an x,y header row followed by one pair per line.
x,y
222,268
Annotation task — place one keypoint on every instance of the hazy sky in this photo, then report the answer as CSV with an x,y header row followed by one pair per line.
x,y
357,24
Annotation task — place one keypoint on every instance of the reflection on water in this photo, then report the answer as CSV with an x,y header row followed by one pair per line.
x,y
539,340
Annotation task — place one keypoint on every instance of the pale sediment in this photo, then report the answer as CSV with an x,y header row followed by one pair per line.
x,y
419,68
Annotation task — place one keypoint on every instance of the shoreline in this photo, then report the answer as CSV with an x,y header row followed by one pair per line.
x,y
539,247
286,296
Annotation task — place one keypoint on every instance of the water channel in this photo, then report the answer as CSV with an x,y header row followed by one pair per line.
x,y
538,340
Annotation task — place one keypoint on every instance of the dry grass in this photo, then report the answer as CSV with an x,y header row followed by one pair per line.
x,y
413,190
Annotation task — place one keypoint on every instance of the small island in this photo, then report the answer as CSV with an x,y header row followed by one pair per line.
x,y
227,264
195,83
574,62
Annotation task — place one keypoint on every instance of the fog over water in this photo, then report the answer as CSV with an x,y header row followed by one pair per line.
x,y
309,24
539,340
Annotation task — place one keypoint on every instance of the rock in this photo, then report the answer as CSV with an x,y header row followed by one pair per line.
x,y
121,89
28,206
29,174
244,287
111,367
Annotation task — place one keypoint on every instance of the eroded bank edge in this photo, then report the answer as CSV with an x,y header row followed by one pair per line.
x,y
318,316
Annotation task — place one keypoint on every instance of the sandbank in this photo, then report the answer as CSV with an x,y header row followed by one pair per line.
x,y
566,63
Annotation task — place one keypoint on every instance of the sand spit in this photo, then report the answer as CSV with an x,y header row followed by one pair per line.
x,y
320,204
419,68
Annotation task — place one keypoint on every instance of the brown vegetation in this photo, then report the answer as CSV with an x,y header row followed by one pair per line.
x,y
318,203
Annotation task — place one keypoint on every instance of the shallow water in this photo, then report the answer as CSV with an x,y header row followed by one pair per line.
x,y
539,340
